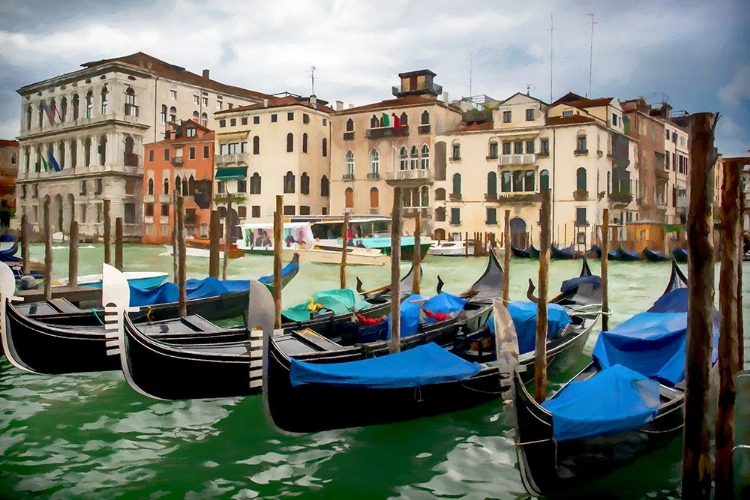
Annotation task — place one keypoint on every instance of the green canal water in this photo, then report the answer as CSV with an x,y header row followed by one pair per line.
x,y
91,436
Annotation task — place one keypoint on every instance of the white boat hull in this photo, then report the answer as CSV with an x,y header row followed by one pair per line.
x,y
355,257
196,252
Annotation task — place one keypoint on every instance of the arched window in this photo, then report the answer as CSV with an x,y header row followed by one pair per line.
x,y
87,152
425,157
53,107
63,109
325,186
61,149
374,198
196,116
102,150
440,214
289,142
105,92
456,184
403,156
74,153
440,194
185,191
493,149
172,114
414,158
255,183
424,196
256,145
191,186
350,125
529,181
304,143
151,187
163,115
177,185
130,108
289,182
349,164
374,122
374,162
76,104
166,185
304,183
404,119
325,147
204,119
129,145
29,113
609,181
349,197
425,118
544,179
492,184
41,116
26,158
581,179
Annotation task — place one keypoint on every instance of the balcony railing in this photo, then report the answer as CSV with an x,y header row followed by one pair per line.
x,y
454,197
177,161
402,175
543,154
490,197
130,159
347,177
580,152
373,176
424,129
233,158
383,132
621,197
580,195
517,159
348,136
131,110
519,197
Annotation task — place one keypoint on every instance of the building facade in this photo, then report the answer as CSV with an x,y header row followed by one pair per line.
x,y
378,146
83,136
8,172
182,164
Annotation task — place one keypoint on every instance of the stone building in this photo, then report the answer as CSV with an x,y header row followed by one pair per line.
x,y
8,172
83,136
182,164
280,145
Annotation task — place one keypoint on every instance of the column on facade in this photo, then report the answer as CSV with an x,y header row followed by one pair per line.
x,y
68,158
113,140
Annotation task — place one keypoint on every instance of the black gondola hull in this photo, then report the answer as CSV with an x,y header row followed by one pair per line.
x,y
653,256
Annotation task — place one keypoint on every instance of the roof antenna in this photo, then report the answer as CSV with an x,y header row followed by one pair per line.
x,y
591,53
312,78
551,40
470,67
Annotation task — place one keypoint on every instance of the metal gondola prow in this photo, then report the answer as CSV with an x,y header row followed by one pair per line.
x,y
7,294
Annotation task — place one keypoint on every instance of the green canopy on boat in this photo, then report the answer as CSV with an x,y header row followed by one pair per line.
x,y
338,300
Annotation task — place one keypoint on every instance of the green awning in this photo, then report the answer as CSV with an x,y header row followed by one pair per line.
x,y
231,173
675,228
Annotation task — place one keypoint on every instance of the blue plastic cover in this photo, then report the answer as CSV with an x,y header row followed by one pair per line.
x,y
524,316
196,289
671,302
573,283
411,306
614,400
422,365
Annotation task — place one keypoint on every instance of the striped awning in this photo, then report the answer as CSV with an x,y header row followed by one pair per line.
x,y
231,173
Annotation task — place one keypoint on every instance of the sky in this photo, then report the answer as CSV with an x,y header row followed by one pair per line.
x,y
694,54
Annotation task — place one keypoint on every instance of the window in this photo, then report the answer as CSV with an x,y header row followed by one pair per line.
x,y
222,123
289,182
204,119
102,150
221,187
492,184
491,216
165,210
244,120
83,191
150,187
243,147
544,146
581,216
304,184
242,186
205,102
349,125
274,118
173,94
506,116
233,122
192,152
325,124
414,158
425,119
256,120
289,142
172,114
219,105
191,186
290,116
493,149
178,185
529,115
455,216
305,118
581,179
506,182
255,211
349,164
456,152
567,114
129,213
506,148
99,186
104,100
517,181
403,156
196,100
456,184
324,186
196,116
529,181
581,144
425,163
256,145
349,197
325,147
149,209
166,186
64,108
374,162
206,151
89,106
29,118
75,108
614,119
304,143
166,154
544,179
403,120
529,147
374,198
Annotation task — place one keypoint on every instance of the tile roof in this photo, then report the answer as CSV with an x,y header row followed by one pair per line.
x,y
475,126
171,71
572,99
278,102
569,120
399,102
208,136
4,143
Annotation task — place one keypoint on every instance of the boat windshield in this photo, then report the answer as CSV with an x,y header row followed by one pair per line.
x,y
360,229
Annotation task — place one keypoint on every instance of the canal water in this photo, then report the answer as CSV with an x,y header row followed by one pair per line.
x,y
91,436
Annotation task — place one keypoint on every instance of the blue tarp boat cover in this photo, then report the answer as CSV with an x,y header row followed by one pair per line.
x,y
671,302
573,283
524,316
338,300
422,365
196,289
614,400
442,303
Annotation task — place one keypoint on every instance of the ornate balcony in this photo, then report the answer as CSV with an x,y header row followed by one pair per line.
x,y
454,197
518,159
620,197
347,177
490,197
348,136
373,176
580,195
520,198
424,129
409,178
177,161
385,132
238,158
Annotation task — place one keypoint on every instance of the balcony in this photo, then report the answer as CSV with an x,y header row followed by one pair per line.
x,y
165,198
347,177
409,178
130,160
385,132
518,159
348,136
432,89
581,152
424,129
520,198
543,154
177,161
238,158
490,197
580,195
148,219
411,212
148,198
454,197
164,219
373,176
620,197
131,110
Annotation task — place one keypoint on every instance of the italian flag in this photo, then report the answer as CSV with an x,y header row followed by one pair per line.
x,y
386,120
44,164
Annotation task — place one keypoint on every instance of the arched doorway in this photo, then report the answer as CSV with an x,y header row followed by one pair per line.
x,y
518,235
56,219
68,212
439,234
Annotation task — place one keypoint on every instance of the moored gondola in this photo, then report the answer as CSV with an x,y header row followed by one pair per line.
x,y
566,253
653,255
621,254
680,255
594,252
609,414
530,252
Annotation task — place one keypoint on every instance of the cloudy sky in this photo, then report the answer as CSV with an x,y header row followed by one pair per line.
x,y
695,54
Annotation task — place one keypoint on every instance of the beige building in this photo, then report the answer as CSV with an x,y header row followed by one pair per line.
x,y
673,194
277,146
576,147
8,172
392,142
82,136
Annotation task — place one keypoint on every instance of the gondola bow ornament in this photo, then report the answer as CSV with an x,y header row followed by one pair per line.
x,y
7,293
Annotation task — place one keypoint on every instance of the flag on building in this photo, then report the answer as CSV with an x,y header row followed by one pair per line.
x,y
48,110
52,160
44,164
386,120
396,121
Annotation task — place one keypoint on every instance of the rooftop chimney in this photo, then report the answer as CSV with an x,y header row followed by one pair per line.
x,y
445,97
314,101
205,74
265,103
339,105
351,105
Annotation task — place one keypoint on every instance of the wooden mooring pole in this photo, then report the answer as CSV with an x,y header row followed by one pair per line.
x,y
417,255
227,239
395,342
107,233
47,252
73,254
278,227
729,363
696,461
605,264
506,258
181,254
344,248
25,240
540,348
213,245
119,234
